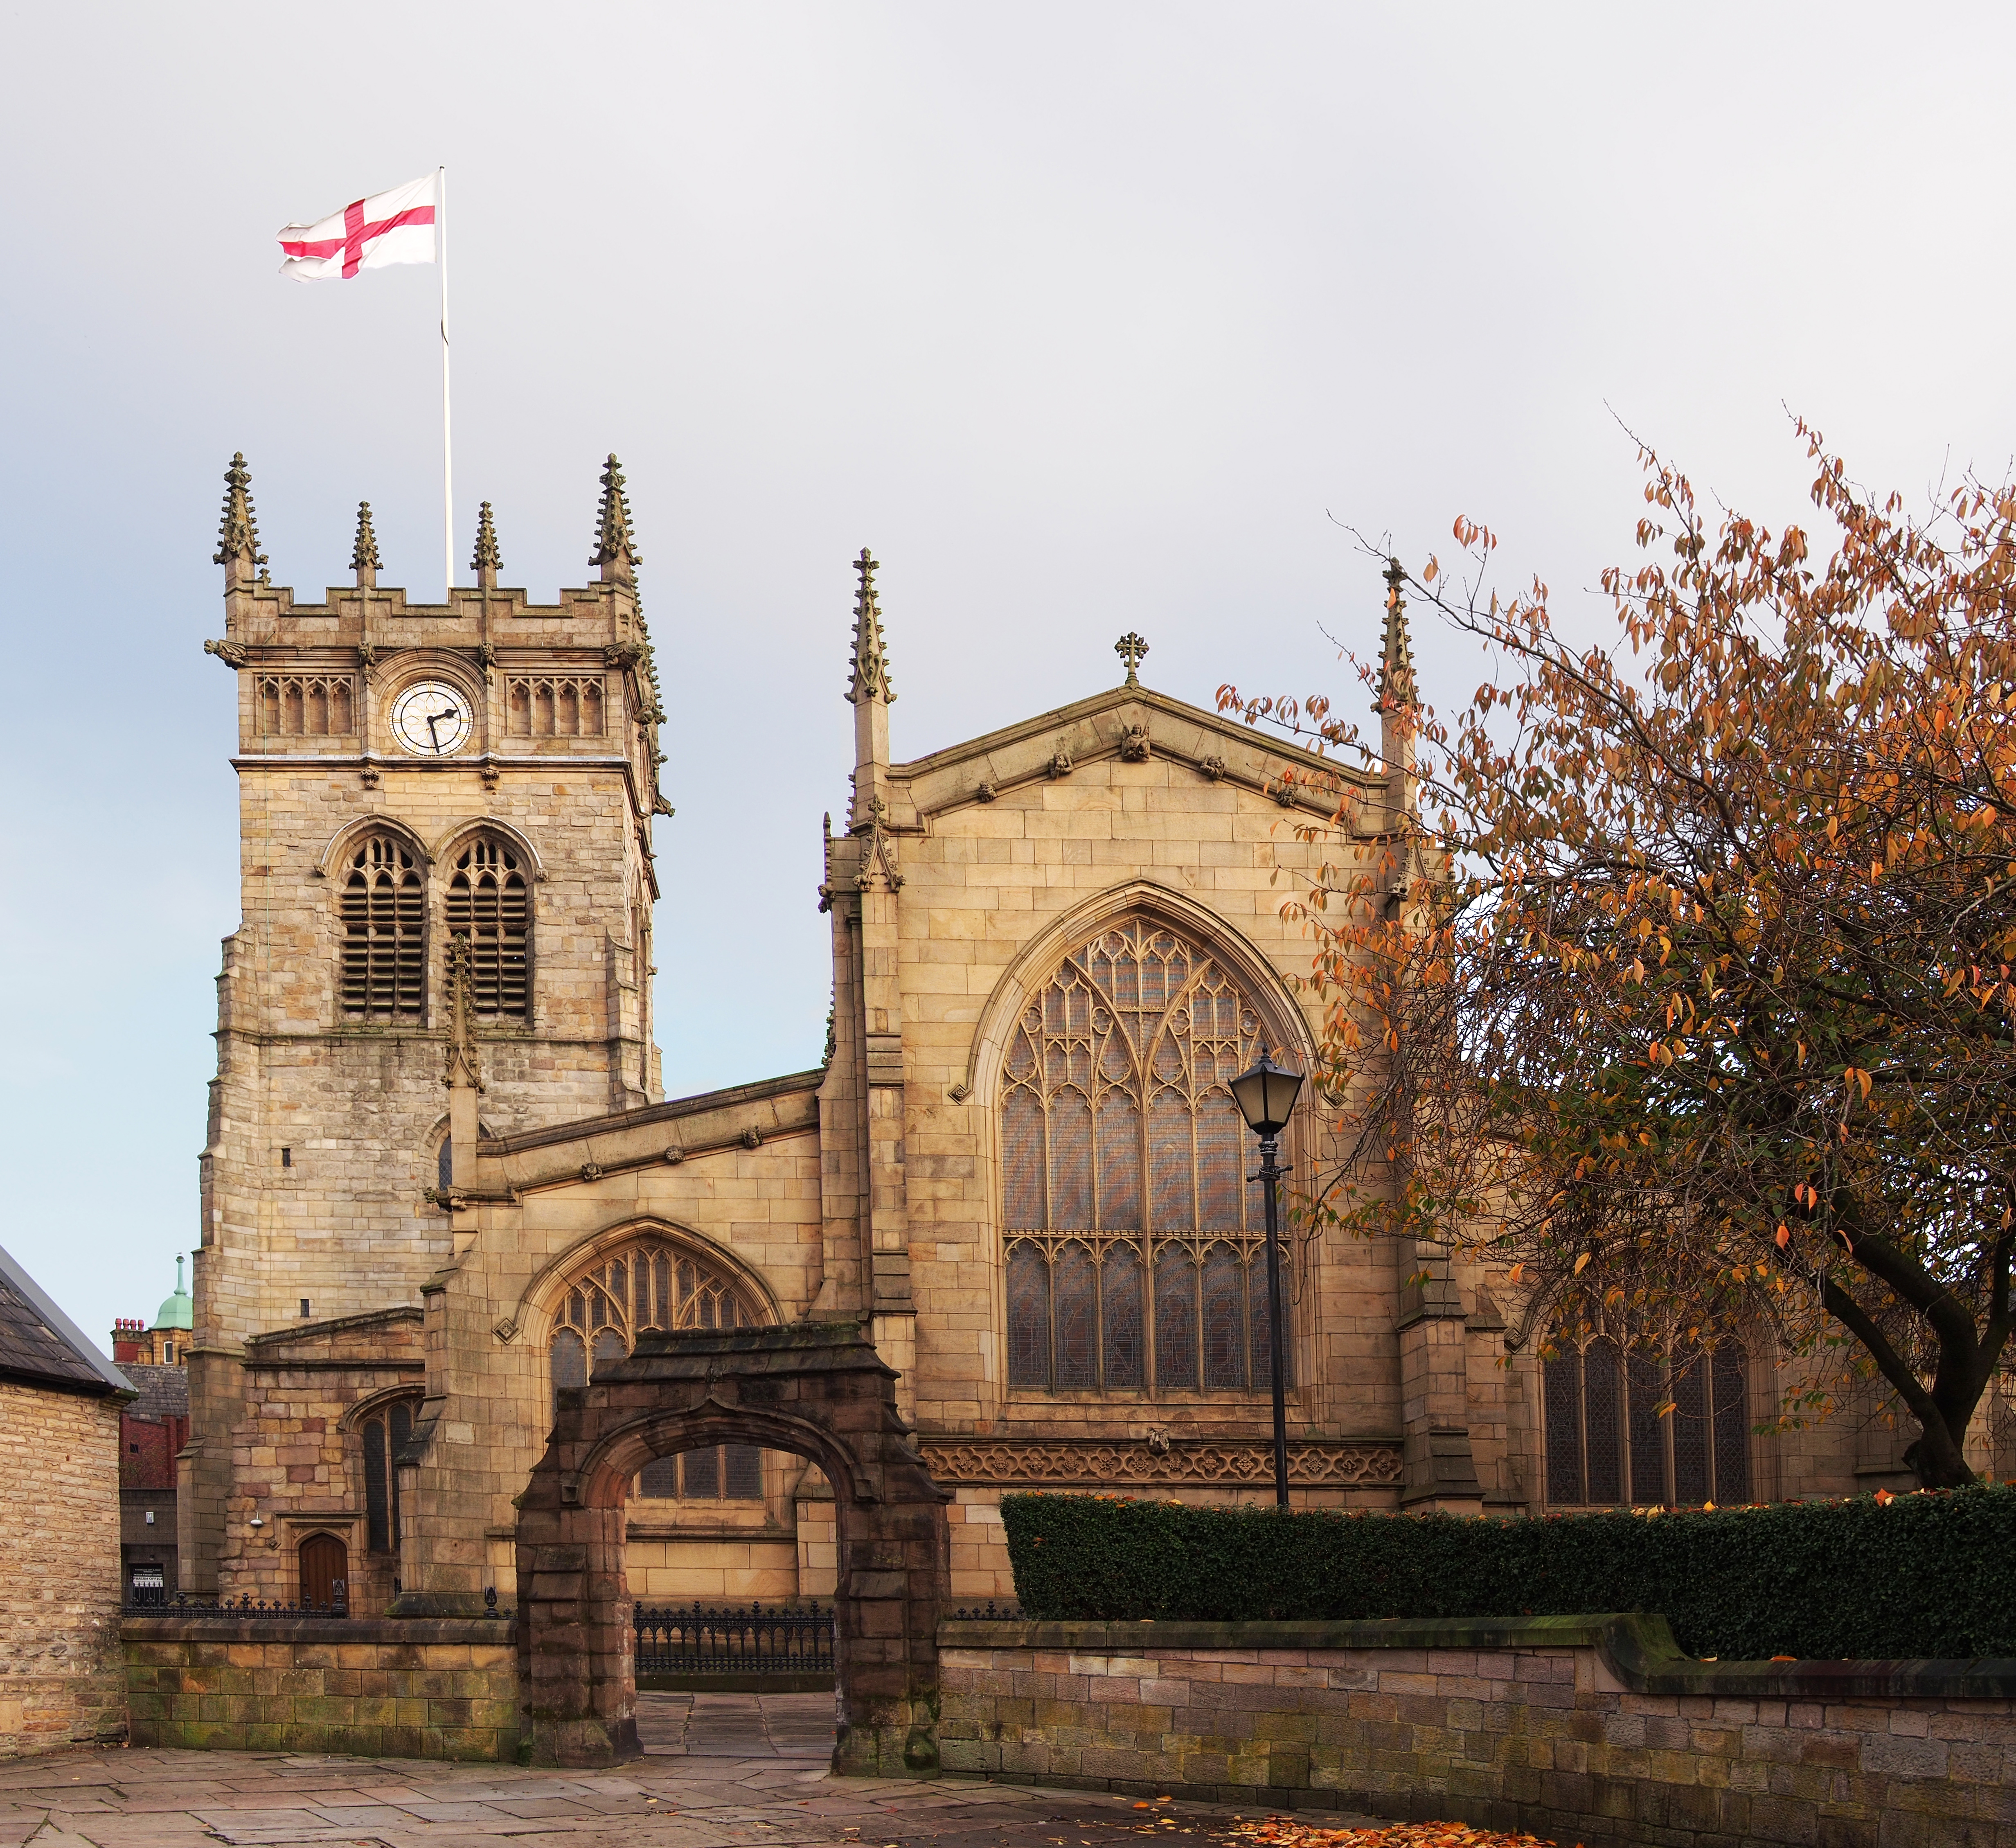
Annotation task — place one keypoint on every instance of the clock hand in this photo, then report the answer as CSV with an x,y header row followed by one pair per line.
x,y
431,723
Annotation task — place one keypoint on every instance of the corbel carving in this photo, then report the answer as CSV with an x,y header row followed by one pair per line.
x,y
987,792
1135,747
1212,769
591,1171
1061,764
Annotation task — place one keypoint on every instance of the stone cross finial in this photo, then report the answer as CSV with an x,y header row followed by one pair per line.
x,y
870,666
238,533
1131,650
615,549
488,561
364,559
1396,654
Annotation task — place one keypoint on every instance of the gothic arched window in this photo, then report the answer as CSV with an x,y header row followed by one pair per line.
x,y
647,1284
385,1434
651,1285
384,909
1133,1240
1636,1426
488,904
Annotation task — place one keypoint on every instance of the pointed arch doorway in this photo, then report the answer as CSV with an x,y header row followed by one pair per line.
x,y
816,1390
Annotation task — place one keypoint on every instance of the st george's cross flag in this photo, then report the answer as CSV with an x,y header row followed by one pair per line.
x,y
393,227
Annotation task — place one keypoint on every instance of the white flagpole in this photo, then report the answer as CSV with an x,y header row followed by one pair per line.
x,y
447,449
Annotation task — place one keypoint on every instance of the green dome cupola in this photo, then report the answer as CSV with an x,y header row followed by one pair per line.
x,y
177,1311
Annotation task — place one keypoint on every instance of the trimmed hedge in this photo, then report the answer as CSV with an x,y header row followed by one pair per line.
x,y
1925,1576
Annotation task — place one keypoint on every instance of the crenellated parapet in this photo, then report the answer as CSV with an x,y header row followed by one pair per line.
x,y
572,679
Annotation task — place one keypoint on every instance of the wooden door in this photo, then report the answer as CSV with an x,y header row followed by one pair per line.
x,y
325,1570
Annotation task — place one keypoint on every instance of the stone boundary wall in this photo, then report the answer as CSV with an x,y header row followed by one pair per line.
x,y
379,1687
1594,1729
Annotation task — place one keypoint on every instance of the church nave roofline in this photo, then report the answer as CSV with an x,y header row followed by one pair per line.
x,y
1054,743
581,1152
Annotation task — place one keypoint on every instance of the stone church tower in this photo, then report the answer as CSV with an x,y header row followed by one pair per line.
x,y
411,778
440,1184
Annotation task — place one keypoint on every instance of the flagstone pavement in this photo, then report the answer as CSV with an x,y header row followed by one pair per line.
x,y
720,1771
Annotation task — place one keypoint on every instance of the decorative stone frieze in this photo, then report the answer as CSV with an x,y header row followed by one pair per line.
x,y
1070,1462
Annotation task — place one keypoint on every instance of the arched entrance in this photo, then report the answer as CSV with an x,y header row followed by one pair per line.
x,y
819,1390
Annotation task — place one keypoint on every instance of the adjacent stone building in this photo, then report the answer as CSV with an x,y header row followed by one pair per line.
x,y
61,1683
441,1180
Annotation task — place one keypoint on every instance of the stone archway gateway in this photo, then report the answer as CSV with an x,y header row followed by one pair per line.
x,y
817,1389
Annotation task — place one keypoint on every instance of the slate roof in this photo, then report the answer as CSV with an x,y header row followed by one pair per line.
x,y
164,1391
38,1341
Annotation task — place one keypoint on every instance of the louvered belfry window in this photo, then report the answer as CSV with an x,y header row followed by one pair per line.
x,y
1132,1239
384,933
486,903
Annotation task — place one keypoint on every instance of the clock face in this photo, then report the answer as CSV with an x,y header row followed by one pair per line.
x,y
431,718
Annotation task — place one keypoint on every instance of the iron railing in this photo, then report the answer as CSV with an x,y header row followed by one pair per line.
x,y
712,1640
146,1601
163,1604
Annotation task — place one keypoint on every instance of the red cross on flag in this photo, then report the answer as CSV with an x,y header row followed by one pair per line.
x,y
393,227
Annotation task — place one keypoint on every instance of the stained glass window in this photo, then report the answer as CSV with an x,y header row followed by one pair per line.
x,y
1644,1377
1132,1239
1562,1380
1603,1401
1692,1481
1732,1425
1670,1429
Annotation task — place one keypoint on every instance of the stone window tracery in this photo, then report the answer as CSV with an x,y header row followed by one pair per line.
x,y
1636,1426
648,1284
488,903
383,908
1132,1239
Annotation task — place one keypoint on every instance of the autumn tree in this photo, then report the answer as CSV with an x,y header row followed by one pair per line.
x,y
1688,998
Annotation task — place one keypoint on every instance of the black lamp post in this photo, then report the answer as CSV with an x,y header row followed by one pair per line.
x,y
1265,1095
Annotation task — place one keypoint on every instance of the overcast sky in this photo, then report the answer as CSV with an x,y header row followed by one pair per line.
x,y
1086,318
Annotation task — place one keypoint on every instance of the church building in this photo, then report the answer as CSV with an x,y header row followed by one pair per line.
x,y
441,1181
